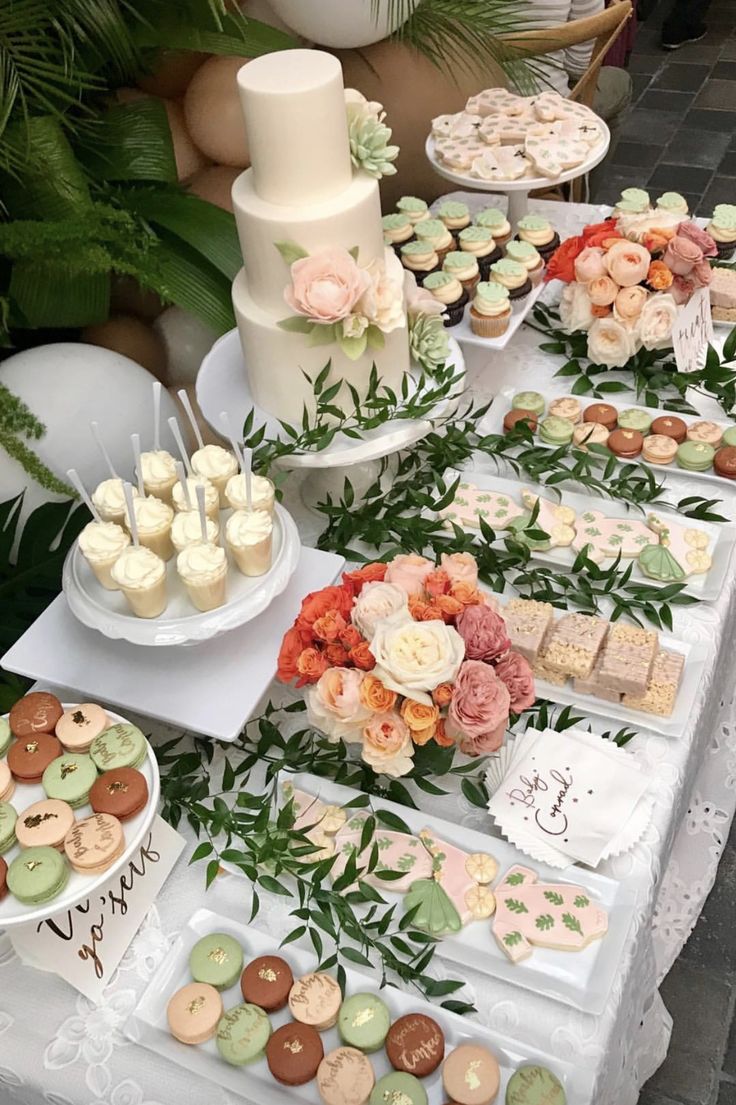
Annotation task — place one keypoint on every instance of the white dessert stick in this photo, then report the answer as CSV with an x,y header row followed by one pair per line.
x,y
157,414
186,404
202,512
95,428
184,485
174,427
75,479
136,439
128,492
225,419
247,463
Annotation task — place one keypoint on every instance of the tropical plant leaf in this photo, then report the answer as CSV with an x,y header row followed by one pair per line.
x,y
43,297
53,185
183,277
130,142
212,33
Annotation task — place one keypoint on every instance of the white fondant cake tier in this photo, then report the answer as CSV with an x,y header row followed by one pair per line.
x,y
353,218
275,360
294,109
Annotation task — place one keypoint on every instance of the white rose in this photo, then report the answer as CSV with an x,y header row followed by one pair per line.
x,y
576,310
377,602
387,745
656,321
412,658
383,301
354,326
334,706
610,343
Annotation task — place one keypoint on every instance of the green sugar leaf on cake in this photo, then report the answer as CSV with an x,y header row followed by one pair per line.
x,y
545,922
571,922
375,337
511,939
353,348
553,897
296,324
322,334
516,906
515,879
291,252
581,901
353,251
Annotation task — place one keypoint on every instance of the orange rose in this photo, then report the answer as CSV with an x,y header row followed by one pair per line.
x,y
659,276
417,606
600,312
291,648
329,627
418,716
369,573
362,657
350,637
561,265
656,240
601,234
437,583
440,737
316,604
336,654
375,696
431,613
467,594
310,665
449,607
422,736
442,695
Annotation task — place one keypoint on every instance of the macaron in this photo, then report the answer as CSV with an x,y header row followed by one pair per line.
x,y
194,1013
294,1053
316,999
528,401
669,426
556,431
70,778
471,1075
533,1085
44,824
216,959
603,413
121,745
511,418
7,783
403,1089
659,449
29,757
37,875
729,438
363,1022
709,432
93,845
6,735
3,878
724,462
695,456
37,712
78,727
568,407
590,433
625,444
266,982
634,418
415,1044
345,1077
242,1034
8,820
123,792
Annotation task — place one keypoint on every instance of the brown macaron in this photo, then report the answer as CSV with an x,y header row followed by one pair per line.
x,y
293,1053
123,792
415,1044
511,418
603,413
625,444
724,462
266,982
29,756
3,878
37,712
670,426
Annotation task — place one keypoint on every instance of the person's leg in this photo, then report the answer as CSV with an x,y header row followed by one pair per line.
x,y
612,99
685,23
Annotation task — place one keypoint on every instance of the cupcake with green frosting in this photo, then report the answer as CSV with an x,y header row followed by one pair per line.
x,y
494,220
480,243
528,256
464,267
420,258
539,232
490,310
397,230
513,276
722,229
448,291
632,201
455,215
674,203
415,208
435,232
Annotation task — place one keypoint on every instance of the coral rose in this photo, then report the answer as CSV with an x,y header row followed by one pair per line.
x,y
440,735
290,651
431,613
627,263
682,255
442,695
329,627
415,657
362,656
609,343
629,303
350,637
699,237
377,698
480,704
376,602
369,573
417,607
514,670
601,234
310,665
387,745
659,276
449,607
318,603
437,583
561,265
408,571
337,655
483,632
656,321
418,715
575,308
589,264
602,291
326,286
334,704
656,240
461,567
467,594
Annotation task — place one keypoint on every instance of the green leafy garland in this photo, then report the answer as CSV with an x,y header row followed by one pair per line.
x,y
18,422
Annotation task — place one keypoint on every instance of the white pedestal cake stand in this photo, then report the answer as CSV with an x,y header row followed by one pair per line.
x,y
222,385
518,191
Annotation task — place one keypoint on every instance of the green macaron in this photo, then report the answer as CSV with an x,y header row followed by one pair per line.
x,y
37,875
556,431
5,735
398,1087
695,456
8,818
216,959
635,419
122,745
363,1022
70,778
534,1086
729,438
528,401
242,1034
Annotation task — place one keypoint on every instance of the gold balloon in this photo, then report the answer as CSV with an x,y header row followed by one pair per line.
x,y
172,72
214,184
127,297
133,338
213,114
188,158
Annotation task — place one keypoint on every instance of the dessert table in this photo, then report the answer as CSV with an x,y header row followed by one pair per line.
x,y
60,1049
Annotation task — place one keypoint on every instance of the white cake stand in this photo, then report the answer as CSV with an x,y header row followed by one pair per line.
x,y
518,191
222,385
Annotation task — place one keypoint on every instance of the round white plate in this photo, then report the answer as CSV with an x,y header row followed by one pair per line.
x,y
79,887
181,623
222,385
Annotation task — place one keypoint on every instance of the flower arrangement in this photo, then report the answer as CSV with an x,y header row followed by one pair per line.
x,y
625,279
404,653
369,136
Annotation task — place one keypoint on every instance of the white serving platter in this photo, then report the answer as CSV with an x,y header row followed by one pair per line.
x,y
463,331
148,1025
79,887
181,623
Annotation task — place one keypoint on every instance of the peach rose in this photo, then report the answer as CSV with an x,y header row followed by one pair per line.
x,y
409,571
326,286
656,240
431,613
589,264
387,745
609,343
602,291
376,602
629,303
418,715
437,583
417,607
449,607
350,637
337,655
682,255
461,567
318,603
311,665
423,736
601,312
659,276
627,263
362,656
329,627
369,573
440,735
467,594
334,704
442,695
377,698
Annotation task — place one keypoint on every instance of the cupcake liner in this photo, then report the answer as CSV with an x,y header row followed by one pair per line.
x,y
454,311
536,275
517,294
469,285
484,263
726,250
486,327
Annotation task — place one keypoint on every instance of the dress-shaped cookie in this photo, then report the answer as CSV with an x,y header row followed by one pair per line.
x,y
547,915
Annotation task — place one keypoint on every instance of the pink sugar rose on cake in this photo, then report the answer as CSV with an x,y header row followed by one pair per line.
x,y
484,633
514,670
387,744
479,709
409,571
682,255
627,263
699,237
326,287
461,567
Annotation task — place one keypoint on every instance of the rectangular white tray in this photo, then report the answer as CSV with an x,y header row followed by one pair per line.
x,y
148,1026
519,311
580,979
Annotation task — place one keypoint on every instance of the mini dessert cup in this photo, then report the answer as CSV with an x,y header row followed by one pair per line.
x,y
153,518
202,569
186,529
448,291
249,537
109,500
490,310
464,267
216,465
101,543
211,497
262,493
141,576
435,233
158,469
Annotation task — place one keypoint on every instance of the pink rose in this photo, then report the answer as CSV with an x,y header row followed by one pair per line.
x,y
700,237
602,291
682,255
514,670
334,705
461,567
681,290
702,274
408,571
480,706
627,263
589,264
483,632
326,286
628,304
387,744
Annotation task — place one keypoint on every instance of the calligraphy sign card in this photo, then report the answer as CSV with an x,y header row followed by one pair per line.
x,y
693,332
568,791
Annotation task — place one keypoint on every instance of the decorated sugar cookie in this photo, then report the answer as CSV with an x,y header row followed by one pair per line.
x,y
552,156
469,900
472,503
500,163
495,101
608,537
556,519
396,851
458,153
691,547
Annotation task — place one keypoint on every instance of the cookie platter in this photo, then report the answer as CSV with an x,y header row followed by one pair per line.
x,y
148,1025
79,886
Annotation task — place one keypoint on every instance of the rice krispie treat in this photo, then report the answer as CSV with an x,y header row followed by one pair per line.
x,y
527,623
663,684
574,643
542,671
592,685
626,662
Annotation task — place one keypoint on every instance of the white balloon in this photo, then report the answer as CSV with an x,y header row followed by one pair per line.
x,y
187,341
342,24
264,13
68,385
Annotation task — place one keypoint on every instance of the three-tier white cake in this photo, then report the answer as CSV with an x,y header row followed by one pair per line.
x,y
318,284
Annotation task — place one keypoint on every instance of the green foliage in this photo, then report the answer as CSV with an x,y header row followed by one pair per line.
x,y
16,423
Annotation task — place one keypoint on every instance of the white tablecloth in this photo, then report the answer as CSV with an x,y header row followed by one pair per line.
x,y
58,1048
